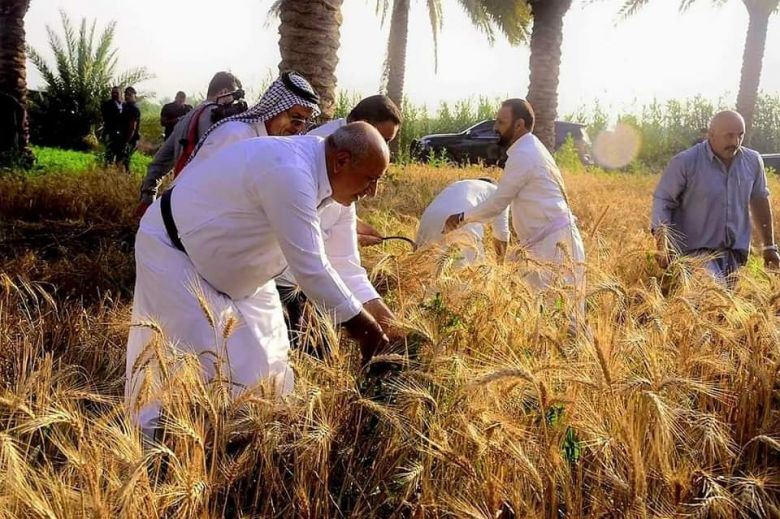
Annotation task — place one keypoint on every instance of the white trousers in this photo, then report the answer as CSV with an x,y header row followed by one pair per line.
x,y
561,257
165,293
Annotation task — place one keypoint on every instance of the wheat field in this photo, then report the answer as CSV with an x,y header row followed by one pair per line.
x,y
669,407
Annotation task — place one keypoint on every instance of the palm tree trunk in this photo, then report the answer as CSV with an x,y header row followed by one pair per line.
x,y
13,79
759,12
309,39
545,64
395,67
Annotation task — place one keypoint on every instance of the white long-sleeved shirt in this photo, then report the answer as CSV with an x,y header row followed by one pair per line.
x,y
339,232
459,197
337,222
328,128
229,133
170,151
532,185
252,208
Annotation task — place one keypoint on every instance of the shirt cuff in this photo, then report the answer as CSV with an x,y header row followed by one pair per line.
x,y
365,291
346,310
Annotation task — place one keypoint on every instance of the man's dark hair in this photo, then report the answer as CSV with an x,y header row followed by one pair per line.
x,y
488,180
375,109
222,81
130,90
180,93
521,109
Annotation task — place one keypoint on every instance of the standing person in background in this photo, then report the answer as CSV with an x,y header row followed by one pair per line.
x,y
172,112
111,110
704,201
127,135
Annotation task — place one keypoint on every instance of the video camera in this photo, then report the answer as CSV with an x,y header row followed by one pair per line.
x,y
228,105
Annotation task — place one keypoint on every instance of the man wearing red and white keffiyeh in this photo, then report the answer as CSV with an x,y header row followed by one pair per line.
x,y
285,109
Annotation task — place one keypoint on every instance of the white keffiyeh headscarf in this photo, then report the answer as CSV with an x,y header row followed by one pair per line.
x,y
289,90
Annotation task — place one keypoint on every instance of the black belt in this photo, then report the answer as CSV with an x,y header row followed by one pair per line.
x,y
170,225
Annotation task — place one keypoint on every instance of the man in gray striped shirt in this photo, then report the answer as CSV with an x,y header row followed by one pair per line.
x,y
706,198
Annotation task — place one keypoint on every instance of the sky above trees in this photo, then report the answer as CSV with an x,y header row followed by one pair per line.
x,y
657,53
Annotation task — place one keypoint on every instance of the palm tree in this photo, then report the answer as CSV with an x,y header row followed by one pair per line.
x,y
309,40
13,82
510,17
84,71
545,64
759,12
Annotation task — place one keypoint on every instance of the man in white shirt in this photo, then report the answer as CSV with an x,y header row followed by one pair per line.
x,y
377,110
462,196
382,113
226,229
284,110
533,186
197,122
341,230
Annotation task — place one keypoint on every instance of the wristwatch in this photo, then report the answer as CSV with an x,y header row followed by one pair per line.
x,y
770,247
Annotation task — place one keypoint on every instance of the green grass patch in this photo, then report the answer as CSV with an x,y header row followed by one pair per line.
x,y
50,160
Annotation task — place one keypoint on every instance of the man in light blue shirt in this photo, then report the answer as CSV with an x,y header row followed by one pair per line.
x,y
706,197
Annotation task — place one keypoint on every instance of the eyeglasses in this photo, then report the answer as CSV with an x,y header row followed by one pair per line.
x,y
299,123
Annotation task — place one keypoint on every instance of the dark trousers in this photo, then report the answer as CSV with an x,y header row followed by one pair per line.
x,y
109,141
725,263
299,318
119,152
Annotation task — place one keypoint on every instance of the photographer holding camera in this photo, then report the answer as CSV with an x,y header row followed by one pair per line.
x,y
223,99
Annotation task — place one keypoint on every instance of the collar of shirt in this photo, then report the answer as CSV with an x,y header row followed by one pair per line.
x,y
708,150
711,154
260,128
324,189
519,143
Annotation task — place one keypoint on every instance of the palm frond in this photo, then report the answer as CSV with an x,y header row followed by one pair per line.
x,y
83,70
71,43
382,8
475,10
630,8
62,64
133,76
40,63
512,19
274,12
434,15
